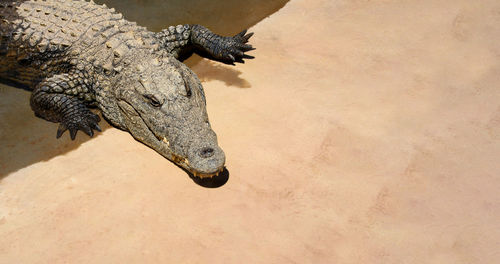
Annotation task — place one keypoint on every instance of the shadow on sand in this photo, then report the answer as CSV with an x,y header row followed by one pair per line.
x,y
25,139
214,182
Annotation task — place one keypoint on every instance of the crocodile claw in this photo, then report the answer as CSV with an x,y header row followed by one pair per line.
x,y
96,127
235,47
62,128
242,35
86,123
72,133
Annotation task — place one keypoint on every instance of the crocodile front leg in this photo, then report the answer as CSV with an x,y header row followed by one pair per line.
x,y
50,102
183,40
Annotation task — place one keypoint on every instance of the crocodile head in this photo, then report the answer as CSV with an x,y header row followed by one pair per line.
x,y
162,104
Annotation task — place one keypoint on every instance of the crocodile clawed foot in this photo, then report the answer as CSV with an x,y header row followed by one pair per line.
x,y
236,48
86,123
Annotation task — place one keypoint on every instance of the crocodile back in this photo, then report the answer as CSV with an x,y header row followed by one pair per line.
x,y
39,38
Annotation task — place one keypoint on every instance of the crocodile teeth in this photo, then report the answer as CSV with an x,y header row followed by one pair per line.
x,y
203,176
164,140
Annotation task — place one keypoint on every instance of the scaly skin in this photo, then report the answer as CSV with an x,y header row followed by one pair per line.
x,y
74,55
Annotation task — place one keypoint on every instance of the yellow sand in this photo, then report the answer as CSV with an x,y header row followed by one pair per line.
x,y
363,132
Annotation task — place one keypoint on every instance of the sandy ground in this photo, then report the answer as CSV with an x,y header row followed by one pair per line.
x,y
363,132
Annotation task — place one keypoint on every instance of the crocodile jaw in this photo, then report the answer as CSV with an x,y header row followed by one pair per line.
x,y
141,132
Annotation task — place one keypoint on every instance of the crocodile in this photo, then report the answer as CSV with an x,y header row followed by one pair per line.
x,y
79,58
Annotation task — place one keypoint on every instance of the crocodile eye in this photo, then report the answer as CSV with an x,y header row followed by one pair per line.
x,y
186,86
188,89
153,101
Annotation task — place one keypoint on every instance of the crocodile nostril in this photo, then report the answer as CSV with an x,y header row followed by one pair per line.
x,y
206,152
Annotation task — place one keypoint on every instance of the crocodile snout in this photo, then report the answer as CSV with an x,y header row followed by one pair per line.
x,y
206,161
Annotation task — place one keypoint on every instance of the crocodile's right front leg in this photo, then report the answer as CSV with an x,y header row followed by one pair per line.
x,y
49,102
183,40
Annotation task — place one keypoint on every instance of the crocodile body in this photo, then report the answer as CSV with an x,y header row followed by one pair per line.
x,y
75,55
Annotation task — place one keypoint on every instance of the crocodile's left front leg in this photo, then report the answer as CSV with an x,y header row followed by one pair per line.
x,y
51,101
183,40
